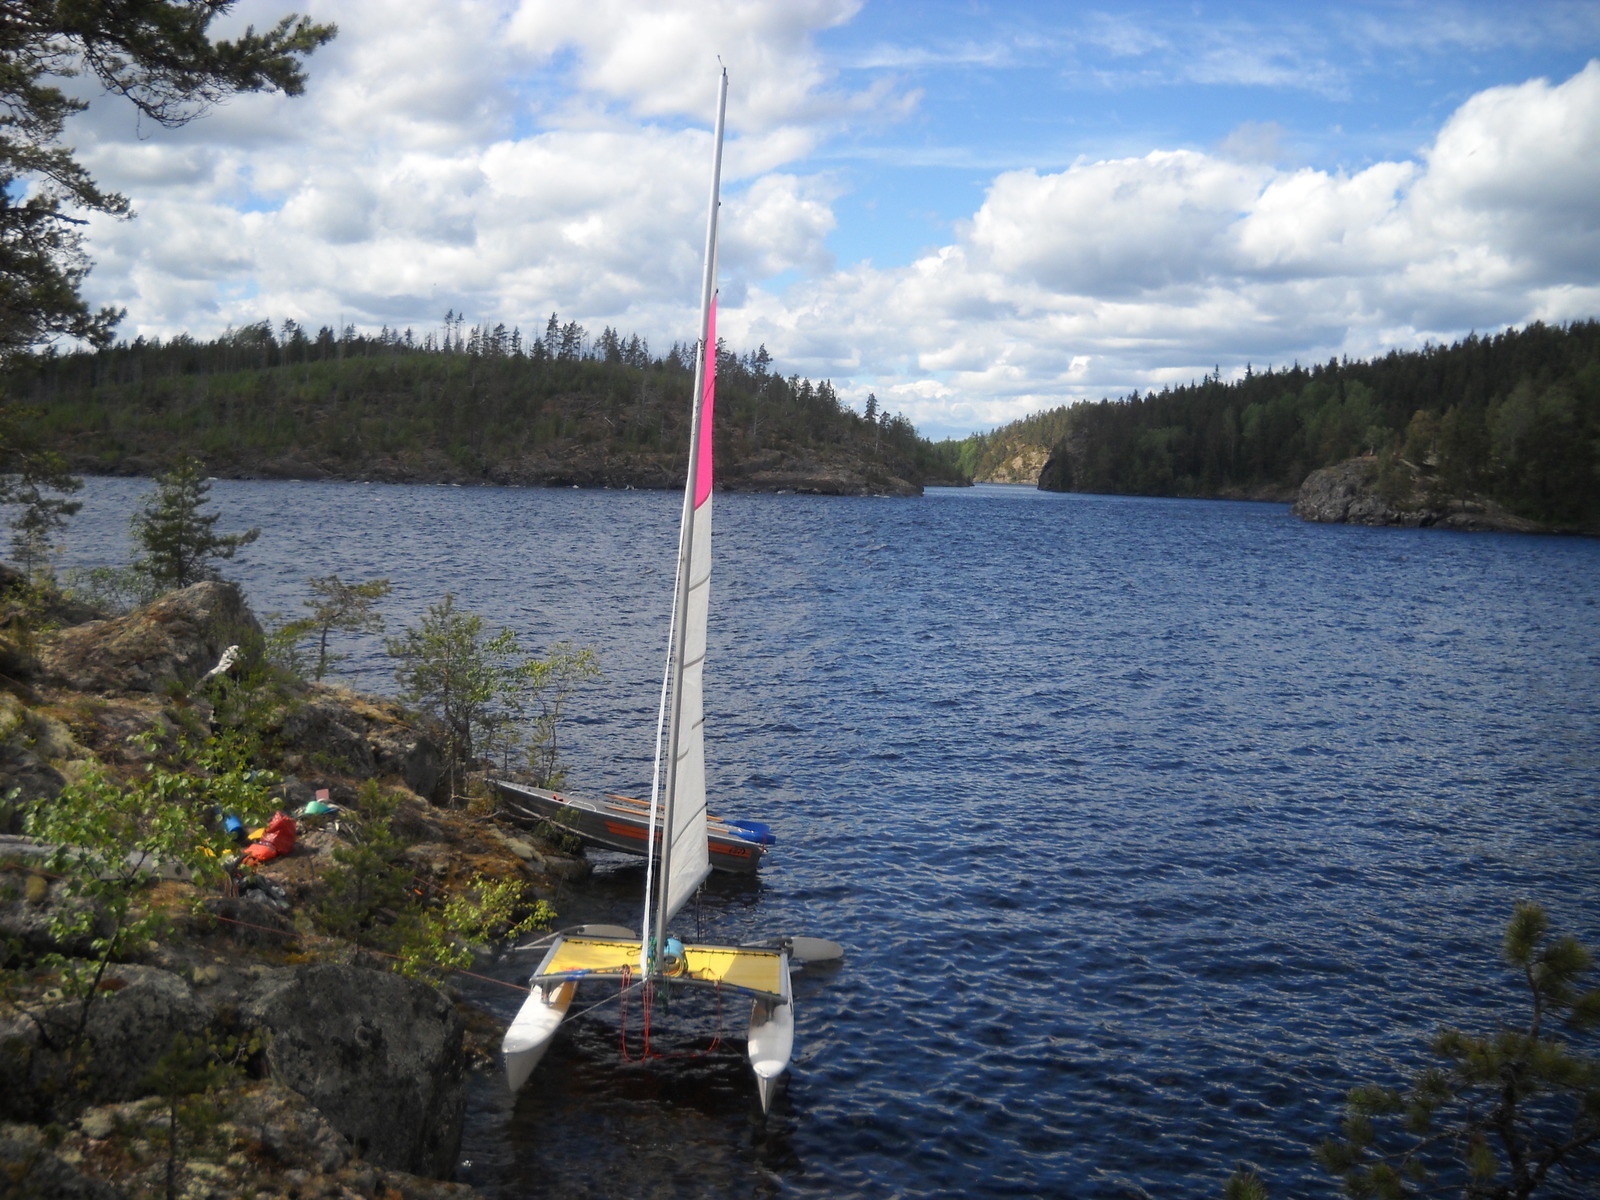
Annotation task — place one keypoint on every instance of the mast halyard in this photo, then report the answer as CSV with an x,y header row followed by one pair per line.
x,y
654,933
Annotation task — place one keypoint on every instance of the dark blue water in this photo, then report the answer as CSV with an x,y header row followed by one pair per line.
x,y
1150,826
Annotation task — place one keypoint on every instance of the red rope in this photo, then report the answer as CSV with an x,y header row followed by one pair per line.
x,y
717,1041
648,1003
622,1012
646,1051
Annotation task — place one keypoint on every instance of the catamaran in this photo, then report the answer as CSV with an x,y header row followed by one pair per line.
x,y
680,858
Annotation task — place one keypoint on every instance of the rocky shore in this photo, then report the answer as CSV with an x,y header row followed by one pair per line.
x,y
1361,491
325,1072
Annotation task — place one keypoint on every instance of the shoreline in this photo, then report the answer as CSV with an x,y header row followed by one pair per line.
x,y
820,482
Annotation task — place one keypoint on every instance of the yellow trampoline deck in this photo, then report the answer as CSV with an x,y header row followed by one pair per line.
x,y
756,971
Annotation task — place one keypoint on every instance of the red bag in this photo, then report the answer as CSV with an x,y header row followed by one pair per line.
x,y
278,839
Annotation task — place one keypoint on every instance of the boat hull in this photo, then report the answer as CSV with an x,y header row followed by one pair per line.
x,y
532,1030
772,1038
616,823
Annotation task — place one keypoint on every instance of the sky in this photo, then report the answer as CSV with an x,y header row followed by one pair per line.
x,y
975,211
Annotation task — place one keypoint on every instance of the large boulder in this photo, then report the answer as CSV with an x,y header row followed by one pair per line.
x,y
1347,493
33,1169
33,745
325,736
25,608
379,1055
1360,491
173,641
341,732
132,1022
261,1139
400,750
34,903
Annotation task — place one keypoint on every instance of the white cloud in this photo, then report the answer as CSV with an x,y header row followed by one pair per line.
x,y
430,167
1127,273
644,54
1519,168
1112,228
425,169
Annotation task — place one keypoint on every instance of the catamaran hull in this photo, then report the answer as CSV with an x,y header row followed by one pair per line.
x,y
615,824
530,1034
772,1039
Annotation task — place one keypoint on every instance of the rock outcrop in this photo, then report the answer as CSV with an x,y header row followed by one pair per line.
x,y
379,1055
337,731
1358,492
365,1070
129,1026
135,661
1025,465
34,747
263,1140
779,472
172,642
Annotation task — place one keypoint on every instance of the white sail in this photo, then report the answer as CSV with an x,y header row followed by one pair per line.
x,y
684,858
688,859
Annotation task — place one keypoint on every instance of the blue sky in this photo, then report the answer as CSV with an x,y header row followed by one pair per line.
x,y
973,210
1008,86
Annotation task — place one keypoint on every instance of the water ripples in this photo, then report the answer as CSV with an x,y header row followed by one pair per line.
x,y
1150,826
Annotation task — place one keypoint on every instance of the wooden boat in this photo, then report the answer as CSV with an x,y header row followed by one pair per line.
x,y
623,823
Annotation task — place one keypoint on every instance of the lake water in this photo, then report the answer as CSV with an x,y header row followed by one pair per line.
x,y
1149,826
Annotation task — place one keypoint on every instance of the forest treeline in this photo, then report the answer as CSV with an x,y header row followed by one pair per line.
x,y
1513,417
464,403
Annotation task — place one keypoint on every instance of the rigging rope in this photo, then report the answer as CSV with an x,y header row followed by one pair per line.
x,y
646,1051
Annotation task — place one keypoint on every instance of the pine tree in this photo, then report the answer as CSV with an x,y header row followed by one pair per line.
x,y
1505,1110
459,674
347,607
159,55
178,539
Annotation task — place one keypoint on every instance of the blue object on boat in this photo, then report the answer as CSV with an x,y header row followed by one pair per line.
x,y
758,832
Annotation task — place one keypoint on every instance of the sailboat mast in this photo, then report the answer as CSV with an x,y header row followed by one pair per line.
x,y
686,545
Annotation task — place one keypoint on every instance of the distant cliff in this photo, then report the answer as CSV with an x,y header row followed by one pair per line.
x,y
1022,464
1014,453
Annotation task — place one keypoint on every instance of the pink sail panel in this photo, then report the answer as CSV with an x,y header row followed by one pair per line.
x,y
702,480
